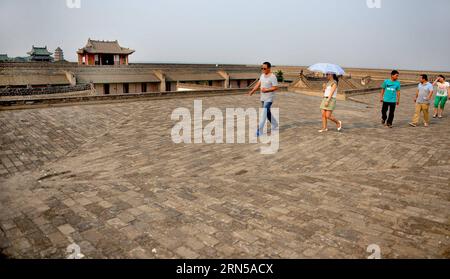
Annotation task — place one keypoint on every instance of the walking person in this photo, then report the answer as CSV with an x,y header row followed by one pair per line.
x,y
390,98
422,100
442,95
329,102
268,84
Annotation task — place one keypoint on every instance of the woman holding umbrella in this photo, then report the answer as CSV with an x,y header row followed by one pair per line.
x,y
330,93
329,103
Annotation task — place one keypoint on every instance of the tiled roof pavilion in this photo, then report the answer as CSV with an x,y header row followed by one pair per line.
x,y
39,51
105,47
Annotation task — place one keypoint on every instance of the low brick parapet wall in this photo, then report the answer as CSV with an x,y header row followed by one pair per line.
x,y
344,94
196,87
43,96
17,103
43,90
356,92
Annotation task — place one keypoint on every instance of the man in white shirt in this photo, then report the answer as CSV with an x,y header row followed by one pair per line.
x,y
269,85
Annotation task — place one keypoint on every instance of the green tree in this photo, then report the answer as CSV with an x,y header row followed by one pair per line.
x,y
280,75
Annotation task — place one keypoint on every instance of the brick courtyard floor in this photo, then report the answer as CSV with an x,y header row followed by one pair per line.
x,y
109,178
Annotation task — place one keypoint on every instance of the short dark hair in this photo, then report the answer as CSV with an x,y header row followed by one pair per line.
x,y
442,76
394,72
424,76
268,64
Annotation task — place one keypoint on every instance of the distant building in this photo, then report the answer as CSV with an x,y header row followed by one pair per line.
x,y
4,58
103,53
20,59
40,54
59,55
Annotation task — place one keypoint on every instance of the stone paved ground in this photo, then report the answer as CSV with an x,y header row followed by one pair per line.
x,y
108,178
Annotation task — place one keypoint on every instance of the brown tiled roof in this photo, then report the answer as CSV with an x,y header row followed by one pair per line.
x,y
108,47
116,76
33,79
247,75
189,76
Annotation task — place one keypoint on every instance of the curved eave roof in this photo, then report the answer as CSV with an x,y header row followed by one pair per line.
x,y
94,51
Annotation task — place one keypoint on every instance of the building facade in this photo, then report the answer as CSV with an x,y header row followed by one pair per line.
x,y
103,53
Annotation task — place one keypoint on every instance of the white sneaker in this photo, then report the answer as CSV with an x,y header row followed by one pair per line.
x,y
340,126
323,130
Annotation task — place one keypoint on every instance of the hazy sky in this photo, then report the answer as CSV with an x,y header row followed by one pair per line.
x,y
405,34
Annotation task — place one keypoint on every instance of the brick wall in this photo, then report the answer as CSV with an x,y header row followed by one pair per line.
x,y
43,90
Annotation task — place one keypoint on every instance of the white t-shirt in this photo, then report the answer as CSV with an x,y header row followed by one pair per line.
x,y
442,89
268,82
329,88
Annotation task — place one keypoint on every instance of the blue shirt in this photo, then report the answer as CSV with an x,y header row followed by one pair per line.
x,y
391,88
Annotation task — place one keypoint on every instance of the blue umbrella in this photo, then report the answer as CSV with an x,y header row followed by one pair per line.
x,y
327,68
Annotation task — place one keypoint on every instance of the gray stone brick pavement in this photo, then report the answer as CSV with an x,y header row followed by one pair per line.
x,y
108,178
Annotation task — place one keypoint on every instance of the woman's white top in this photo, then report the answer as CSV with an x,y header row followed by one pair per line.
x,y
329,89
442,89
